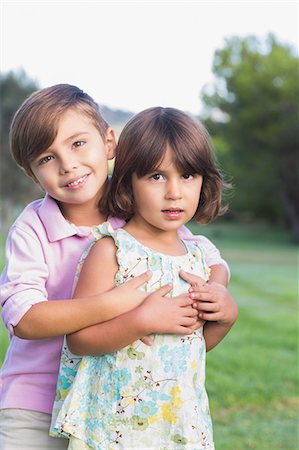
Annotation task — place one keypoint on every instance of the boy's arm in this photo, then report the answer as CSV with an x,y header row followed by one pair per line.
x,y
26,310
58,317
212,254
98,272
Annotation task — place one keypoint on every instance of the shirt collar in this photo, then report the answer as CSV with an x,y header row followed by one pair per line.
x,y
56,226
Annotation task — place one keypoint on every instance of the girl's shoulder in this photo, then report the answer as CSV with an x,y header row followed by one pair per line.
x,y
122,239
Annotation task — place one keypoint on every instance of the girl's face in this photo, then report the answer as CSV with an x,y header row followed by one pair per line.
x,y
74,168
166,199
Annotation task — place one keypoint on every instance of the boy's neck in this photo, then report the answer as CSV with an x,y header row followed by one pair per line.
x,y
82,216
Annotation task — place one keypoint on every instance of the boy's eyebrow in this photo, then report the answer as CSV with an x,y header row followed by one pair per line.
x,y
74,136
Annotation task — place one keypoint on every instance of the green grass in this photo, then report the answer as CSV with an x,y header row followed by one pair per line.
x,y
252,376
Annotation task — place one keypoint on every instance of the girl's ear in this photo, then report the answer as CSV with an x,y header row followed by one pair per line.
x,y
110,143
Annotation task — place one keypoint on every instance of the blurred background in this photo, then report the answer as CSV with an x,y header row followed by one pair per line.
x,y
234,66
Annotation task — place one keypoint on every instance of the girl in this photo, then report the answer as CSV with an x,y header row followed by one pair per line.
x,y
150,397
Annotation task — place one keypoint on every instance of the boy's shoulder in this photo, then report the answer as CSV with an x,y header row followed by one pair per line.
x,y
41,216
29,215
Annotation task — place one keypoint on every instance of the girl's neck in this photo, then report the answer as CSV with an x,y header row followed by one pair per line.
x,y
167,242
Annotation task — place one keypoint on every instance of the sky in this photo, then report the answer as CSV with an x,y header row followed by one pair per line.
x,y
133,55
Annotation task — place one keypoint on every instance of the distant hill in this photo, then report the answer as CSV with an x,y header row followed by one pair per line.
x,y
117,118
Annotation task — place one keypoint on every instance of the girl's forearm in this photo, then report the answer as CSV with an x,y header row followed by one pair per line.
x,y
219,274
214,332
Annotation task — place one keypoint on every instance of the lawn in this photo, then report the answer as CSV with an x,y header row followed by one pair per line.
x,y
252,376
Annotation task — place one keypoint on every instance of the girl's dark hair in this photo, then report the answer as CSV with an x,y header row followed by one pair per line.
x,y
35,124
141,147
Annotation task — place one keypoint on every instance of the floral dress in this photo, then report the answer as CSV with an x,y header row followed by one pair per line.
x,y
140,397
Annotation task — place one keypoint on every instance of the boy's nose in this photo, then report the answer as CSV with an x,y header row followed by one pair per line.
x,y
67,166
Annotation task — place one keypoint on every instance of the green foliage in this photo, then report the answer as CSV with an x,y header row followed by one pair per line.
x,y
253,110
16,187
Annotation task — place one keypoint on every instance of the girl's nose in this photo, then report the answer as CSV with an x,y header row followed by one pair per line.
x,y
173,191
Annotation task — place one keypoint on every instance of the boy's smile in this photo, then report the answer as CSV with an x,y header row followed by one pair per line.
x,y
74,168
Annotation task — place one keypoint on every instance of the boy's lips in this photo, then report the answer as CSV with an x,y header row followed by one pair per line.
x,y
76,182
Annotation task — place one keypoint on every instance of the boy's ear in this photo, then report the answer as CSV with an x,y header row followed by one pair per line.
x,y
110,143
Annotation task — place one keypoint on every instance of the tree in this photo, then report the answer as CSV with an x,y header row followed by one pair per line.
x,y
252,109
16,187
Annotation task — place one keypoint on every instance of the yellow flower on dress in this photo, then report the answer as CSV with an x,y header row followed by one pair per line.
x,y
168,414
176,399
152,419
193,364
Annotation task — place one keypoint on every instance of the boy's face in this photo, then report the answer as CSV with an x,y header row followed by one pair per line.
x,y
74,168
167,198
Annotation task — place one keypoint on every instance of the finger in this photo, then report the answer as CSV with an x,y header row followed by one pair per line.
x,y
205,297
199,324
190,311
182,300
207,307
212,317
164,290
138,281
204,288
184,330
189,322
191,278
147,340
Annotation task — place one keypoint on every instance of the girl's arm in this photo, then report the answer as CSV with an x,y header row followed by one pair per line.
x,y
155,315
219,274
217,308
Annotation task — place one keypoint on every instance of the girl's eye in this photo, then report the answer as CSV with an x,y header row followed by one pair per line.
x,y
187,176
157,177
44,160
77,144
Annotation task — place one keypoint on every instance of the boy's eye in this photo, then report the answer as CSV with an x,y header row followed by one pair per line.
x,y
45,159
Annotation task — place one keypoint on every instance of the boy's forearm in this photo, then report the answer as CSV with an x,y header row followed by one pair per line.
x,y
59,317
110,336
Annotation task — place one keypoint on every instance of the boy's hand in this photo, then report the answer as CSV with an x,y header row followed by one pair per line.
x,y
162,315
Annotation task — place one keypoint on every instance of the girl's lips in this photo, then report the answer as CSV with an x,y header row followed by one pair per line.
x,y
76,184
173,213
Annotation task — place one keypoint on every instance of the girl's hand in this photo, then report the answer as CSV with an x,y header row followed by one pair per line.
x,y
214,303
213,300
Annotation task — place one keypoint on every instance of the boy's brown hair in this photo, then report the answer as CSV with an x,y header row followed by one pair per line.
x,y
35,124
141,147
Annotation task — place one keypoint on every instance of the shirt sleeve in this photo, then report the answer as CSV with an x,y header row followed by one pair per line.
x,y
23,280
212,253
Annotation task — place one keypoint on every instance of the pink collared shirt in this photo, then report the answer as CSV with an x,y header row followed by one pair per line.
x,y
42,254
